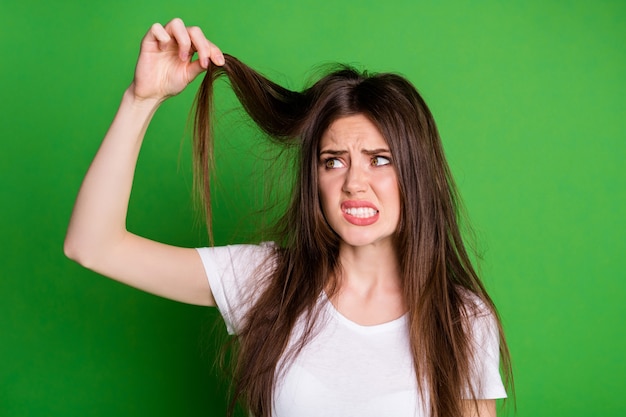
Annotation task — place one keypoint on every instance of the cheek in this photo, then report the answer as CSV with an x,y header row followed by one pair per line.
x,y
392,194
322,192
400,206
329,191
326,186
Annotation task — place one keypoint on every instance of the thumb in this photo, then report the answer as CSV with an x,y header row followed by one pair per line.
x,y
194,69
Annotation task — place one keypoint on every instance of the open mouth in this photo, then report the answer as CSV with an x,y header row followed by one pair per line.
x,y
361,212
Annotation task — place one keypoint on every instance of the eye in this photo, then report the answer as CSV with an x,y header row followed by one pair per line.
x,y
378,161
333,163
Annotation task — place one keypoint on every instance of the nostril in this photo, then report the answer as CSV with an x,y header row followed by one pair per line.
x,y
354,183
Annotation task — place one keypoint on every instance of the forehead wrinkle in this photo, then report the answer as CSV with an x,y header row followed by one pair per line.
x,y
364,151
343,141
353,133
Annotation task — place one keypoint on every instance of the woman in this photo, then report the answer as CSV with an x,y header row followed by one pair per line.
x,y
367,304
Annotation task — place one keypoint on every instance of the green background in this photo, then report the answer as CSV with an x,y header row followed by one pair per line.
x,y
529,97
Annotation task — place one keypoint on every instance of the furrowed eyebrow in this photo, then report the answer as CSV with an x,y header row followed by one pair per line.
x,y
365,151
333,152
376,151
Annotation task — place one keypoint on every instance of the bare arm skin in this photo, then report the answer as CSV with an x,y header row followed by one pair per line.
x,y
97,237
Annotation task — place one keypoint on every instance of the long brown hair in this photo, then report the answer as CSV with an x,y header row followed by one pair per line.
x,y
440,285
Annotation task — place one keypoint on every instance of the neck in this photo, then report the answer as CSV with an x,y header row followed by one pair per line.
x,y
369,290
369,266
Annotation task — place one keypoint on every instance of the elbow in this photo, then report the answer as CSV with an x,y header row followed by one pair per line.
x,y
77,251
88,251
71,249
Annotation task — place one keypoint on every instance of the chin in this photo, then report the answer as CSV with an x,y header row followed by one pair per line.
x,y
364,241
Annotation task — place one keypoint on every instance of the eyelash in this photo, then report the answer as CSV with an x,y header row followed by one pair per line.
x,y
387,159
328,162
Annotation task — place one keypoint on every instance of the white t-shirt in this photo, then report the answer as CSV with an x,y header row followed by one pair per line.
x,y
346,369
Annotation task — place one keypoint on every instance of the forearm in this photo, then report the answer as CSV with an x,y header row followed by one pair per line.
x,y
99,217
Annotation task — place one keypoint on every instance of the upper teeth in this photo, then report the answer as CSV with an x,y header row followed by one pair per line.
x,y
361,212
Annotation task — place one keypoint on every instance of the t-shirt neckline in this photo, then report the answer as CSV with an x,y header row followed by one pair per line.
x,y
375,328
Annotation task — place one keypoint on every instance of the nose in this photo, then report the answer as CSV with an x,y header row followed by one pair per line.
x,y
355,180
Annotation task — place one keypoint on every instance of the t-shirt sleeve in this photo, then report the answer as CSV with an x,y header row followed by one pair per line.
x,y
486,379
234,276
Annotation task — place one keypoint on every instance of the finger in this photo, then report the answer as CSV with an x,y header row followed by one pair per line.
x,y
206,50
158,34
216,55
176,28
201,44
194,69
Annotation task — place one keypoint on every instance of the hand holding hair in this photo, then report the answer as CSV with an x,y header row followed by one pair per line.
x,y
166,65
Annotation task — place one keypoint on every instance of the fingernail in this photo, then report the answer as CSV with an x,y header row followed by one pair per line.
x,y
184,56
219,59
205,62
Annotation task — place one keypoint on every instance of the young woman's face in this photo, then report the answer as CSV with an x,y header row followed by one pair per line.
x,y
358,184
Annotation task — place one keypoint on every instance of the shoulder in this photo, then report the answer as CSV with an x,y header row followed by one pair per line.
x,y
483,332
474,306
236,275
480,318
243,256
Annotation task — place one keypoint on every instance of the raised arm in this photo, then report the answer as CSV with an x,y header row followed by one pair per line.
x,y
97,237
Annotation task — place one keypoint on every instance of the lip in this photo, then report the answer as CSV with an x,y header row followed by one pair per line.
x,y
356,204
359,221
